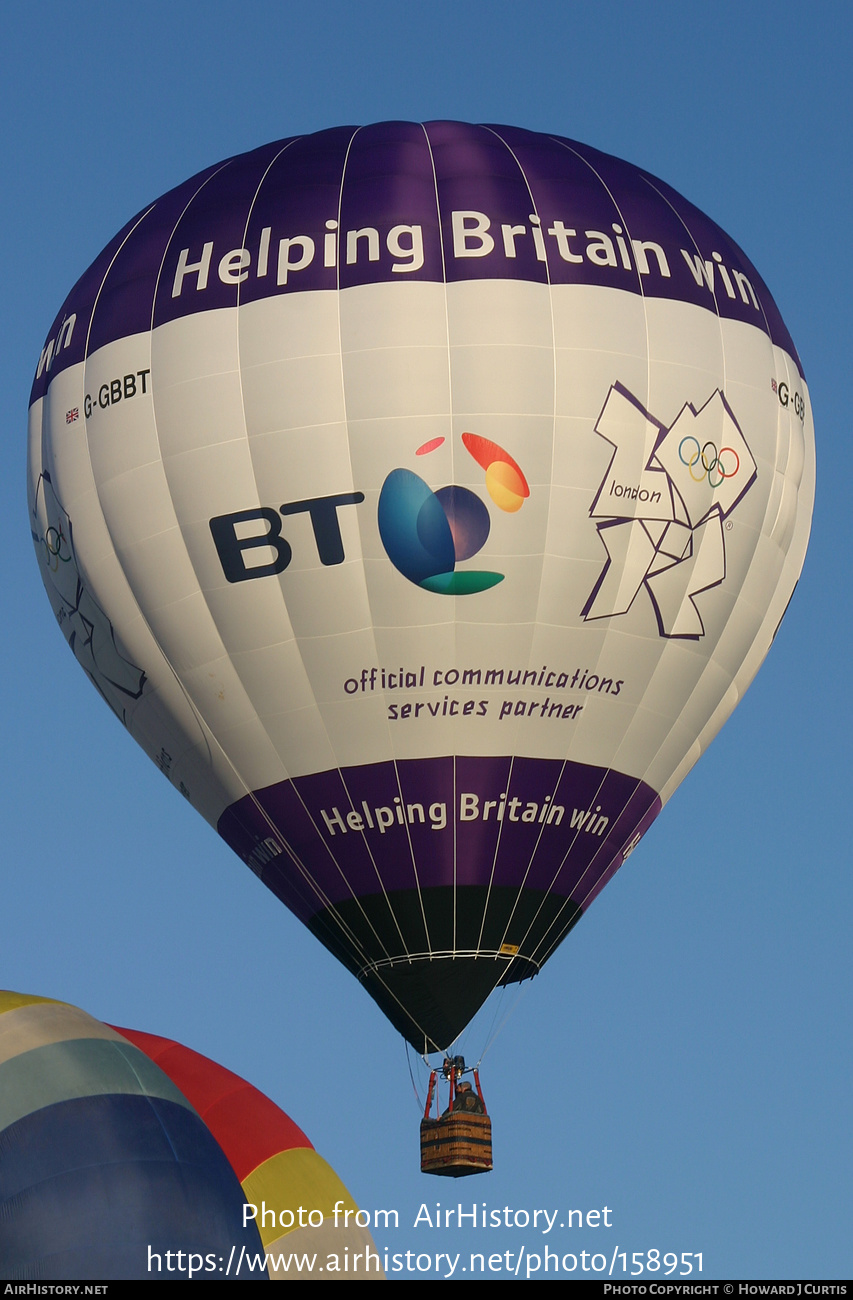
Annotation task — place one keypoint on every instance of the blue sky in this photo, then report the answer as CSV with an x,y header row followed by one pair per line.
x,y
685,1058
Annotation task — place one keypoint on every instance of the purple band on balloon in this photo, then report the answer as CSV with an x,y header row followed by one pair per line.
x,y
532,823
396,202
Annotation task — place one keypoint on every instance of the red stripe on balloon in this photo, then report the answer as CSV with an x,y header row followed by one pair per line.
x,y
247,1125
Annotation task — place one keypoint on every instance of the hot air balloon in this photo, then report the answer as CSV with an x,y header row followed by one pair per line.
x,y
119,1146
422,498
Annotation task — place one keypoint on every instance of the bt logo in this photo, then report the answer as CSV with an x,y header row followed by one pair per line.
x,y
426,534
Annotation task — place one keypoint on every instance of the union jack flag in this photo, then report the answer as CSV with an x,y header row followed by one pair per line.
x,y
773,385
72,415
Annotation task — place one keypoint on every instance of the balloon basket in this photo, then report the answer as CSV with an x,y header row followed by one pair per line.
x,y
459,1142
456,1145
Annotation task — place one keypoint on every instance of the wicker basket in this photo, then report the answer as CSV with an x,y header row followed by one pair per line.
x,y
456,1145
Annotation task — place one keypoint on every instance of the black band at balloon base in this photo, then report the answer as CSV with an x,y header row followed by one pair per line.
x,y
430,958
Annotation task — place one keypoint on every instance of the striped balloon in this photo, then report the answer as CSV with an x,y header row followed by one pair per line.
x,y
117,1147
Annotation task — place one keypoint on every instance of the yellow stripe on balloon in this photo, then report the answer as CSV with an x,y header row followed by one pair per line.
x,y
9,1001
288,1181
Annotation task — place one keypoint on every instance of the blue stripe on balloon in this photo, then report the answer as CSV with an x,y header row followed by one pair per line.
x,y
88,1186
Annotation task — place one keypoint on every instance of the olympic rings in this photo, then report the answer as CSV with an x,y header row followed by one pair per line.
x,y
53,540
712,464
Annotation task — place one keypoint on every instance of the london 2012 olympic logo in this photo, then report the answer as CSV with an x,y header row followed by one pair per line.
x,y
427,534
662,509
